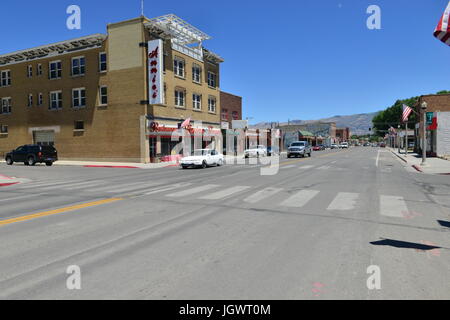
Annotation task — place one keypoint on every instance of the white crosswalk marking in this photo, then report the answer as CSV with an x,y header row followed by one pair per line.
x,y
324,168
300,198
36,184
127,187
224,193
169,188
344,201
306,167
263,194
393,206
289,166
82,185
192,191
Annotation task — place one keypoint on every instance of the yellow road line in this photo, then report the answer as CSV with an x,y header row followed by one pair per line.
x,y
56,211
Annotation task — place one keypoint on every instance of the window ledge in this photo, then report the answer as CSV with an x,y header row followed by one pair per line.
x,y
3,133
197,110
77,75
214,88
180,107
180,77
78,130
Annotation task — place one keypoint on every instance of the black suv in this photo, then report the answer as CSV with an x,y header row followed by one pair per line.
x,y
31,154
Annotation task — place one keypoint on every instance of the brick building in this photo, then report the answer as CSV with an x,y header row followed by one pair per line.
x,y
231,109
91,97
438,133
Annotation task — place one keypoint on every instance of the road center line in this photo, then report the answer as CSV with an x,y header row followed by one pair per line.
x,y
56,211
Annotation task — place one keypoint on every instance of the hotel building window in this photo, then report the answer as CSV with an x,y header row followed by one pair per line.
x,y
212,104
5,78
55,69
197,101
39,69
40,99
4,129
103,66
196,73
55,101
30,100
79,98
78,125
6,105
78,66
179,98
211,79
235,115
178,67
103,95
30,71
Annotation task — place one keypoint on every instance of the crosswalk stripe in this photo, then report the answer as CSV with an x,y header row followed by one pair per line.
x,y
306,167
224,193
169,188
289,166
263,194
324,168
36,184
127,187
393,206
344,201
85,185
192,191
300,198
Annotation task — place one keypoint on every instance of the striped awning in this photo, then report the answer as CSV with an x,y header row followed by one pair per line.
x,y
442,31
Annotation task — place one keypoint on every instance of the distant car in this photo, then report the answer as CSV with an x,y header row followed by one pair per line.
x,y
273,151
31,154
257,151
367,144
343,145
299,148
334,146
382,145
319,147
202,158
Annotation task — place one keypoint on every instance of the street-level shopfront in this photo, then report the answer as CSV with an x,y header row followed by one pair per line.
x,y
168,142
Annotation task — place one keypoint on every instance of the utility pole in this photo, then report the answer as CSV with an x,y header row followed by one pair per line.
x,y
424,107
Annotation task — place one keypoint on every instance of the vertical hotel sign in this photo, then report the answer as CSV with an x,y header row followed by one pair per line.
x,y
155,64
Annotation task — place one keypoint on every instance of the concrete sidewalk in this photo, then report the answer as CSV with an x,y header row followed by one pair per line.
x,y
125,165
434,165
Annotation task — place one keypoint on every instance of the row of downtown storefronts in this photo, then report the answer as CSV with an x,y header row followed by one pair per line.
x,y
169,142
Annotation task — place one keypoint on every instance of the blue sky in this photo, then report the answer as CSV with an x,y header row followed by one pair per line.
x,y
288,59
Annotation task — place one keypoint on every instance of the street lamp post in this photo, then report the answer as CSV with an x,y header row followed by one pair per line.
x,y
398,138
424,106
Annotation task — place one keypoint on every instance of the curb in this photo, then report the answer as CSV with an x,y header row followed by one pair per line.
x,y
398,156
418,168
7,184
102,166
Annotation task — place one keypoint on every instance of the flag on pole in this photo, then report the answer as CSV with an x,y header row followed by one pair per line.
x,y
442,31
406,112
186,123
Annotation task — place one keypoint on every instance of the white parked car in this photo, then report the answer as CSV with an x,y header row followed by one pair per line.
x,y
343,145
202,158
256,151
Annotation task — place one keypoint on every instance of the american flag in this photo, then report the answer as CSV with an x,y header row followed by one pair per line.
x,y
442,31
185,123
406,112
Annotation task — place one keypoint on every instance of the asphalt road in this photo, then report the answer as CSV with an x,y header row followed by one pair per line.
x,y
309,232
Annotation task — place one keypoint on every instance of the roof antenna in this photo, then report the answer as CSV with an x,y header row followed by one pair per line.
x,y
142,8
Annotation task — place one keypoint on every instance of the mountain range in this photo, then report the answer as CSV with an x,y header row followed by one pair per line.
x,y
359,124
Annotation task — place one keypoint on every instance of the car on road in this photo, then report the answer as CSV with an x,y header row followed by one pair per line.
x,y
256,151
31,154
382,145
334,146
343,145
202,158
299,148
319,147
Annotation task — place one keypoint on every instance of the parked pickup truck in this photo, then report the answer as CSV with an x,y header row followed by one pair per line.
x,y
299,148
202,158
32,154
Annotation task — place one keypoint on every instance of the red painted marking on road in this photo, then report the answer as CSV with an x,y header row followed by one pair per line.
x,y
415,166
317,288
172,165
121,167
7,184
5,177
411,214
